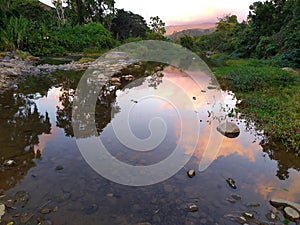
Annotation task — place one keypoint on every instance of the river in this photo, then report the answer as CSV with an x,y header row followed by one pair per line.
x,y
58,184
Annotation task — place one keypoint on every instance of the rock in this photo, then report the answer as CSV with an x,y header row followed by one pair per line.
x,y
253,204
91,209
236,197
231,183
59,167
115,80
2,210
9,162
249,215
45,210
192,207
191,173
271,216
110,195
276,202
26,217
230,200
117,55
291,213
228,129
146,223
21,198
211,87
128,77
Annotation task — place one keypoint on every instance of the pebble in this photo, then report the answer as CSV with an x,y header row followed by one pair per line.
x,y
45,211
249,215
253,204
9,162
26,217
236,197
59,167
193,207
91,209
231,183
191,173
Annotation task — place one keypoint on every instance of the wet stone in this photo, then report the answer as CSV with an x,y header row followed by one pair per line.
x,y
21,198
59,167
228,129
192,207
91,209
9,162
253,204
231,183
236,197
191,173
291,213
45,211
26,217
281,202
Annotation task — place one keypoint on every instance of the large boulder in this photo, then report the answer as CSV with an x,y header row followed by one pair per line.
x,y
276,202
229,129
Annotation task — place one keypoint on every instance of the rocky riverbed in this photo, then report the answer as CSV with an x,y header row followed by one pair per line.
x,y
13,69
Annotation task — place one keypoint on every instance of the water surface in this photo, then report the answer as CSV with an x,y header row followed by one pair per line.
x,y
36,132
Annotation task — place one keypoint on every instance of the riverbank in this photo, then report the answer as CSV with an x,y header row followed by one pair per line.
x,y
15,66
270,97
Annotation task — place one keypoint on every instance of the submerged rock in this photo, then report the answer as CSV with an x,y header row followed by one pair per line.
x,y
192,207
229,129
91,209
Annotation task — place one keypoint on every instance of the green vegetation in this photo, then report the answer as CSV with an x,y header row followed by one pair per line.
x,y
88,26
270,97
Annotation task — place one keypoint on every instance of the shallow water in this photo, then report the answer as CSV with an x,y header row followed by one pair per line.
x,y
36,132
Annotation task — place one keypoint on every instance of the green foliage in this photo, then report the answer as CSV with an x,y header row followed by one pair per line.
x,y
270,96
157,27
187,42
15,34
84,38
128,25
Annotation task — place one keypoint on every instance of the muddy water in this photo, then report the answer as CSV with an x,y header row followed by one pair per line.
x,y
36,132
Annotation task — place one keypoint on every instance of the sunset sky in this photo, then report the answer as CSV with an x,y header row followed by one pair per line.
x,y
185,12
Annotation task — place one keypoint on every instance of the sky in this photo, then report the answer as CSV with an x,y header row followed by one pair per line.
x,y
185,12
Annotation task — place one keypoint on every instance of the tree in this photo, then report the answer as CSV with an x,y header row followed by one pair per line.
x,y
91,10
128,25
157,25
60,11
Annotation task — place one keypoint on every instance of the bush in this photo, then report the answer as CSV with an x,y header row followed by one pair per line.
x,y
290,58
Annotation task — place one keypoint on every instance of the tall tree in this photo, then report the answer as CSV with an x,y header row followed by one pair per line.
x,y
127,24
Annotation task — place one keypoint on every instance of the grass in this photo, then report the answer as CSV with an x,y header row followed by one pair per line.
x,y
270,97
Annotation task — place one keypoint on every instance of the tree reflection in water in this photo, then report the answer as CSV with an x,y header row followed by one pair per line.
x,y
20,126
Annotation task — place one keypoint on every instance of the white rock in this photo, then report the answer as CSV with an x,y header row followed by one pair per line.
x,y
2,210
291,213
